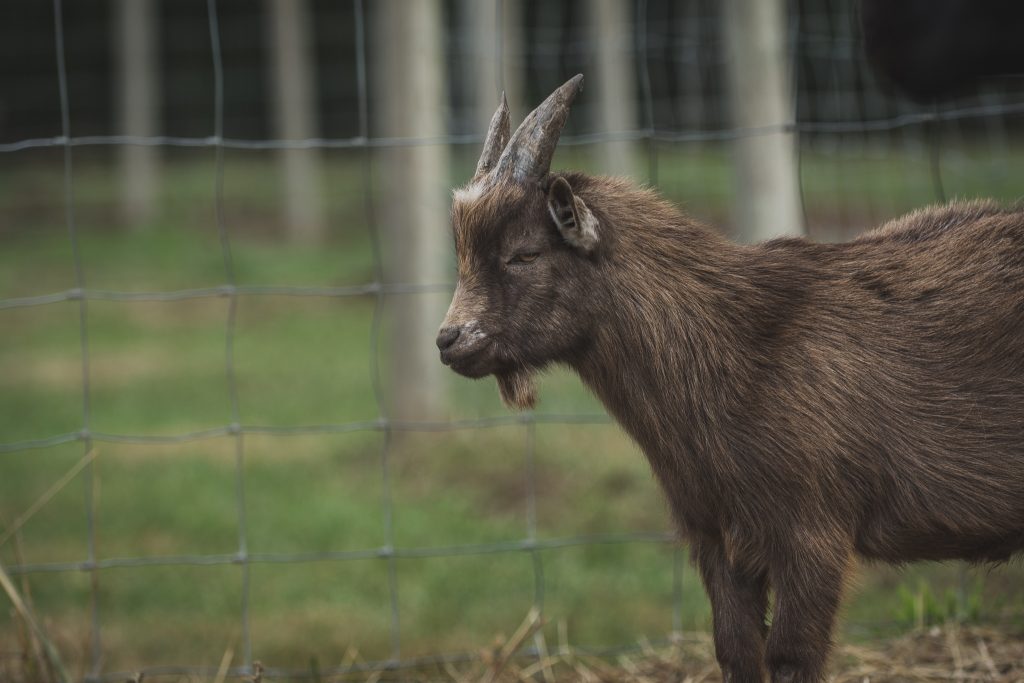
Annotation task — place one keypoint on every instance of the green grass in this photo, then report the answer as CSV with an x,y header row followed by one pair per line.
x,y
157,368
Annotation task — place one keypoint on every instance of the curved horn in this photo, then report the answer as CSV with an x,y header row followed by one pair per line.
x,y
528,154
497,138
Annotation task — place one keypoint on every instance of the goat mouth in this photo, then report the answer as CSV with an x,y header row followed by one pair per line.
x,y
473,362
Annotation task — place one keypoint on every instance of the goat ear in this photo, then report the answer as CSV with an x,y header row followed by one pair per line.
x,y
573,219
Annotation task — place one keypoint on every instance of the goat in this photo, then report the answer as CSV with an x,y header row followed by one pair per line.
x,y
800,404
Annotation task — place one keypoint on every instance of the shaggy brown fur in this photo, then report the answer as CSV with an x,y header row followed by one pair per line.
x,y
799,403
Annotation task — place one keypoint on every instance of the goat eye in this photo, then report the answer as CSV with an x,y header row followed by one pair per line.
x,y
525,257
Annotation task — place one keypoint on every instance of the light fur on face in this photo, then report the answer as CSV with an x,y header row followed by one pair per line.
x,y
469,193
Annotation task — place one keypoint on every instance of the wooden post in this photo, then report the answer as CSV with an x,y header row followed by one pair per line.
x,y
611,40
765,163
413,191
294,92
494,65
138,42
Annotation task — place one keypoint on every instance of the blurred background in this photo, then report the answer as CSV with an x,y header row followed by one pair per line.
x,y
224,254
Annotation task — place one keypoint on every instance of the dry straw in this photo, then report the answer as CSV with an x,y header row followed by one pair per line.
x,y
948,653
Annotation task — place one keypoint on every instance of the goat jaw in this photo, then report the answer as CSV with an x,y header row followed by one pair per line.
x,y
518,390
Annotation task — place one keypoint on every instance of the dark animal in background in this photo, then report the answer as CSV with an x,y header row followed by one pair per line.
x,y
799,403
933,49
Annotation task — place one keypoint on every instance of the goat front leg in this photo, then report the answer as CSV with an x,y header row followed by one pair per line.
x,y
739,599
808,584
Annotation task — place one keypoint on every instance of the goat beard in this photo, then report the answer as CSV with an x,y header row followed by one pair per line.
x,y
518,390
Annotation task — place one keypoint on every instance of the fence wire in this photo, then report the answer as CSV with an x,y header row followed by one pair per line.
x,y
388,553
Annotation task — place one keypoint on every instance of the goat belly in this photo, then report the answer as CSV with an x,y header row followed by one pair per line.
x,y
908,546
913,526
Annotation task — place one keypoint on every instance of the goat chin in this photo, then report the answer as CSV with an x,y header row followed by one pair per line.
x,y
518,390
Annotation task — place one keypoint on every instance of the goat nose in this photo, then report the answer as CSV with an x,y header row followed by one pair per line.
x,y
446,337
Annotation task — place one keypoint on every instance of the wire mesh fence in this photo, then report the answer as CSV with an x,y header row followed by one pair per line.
x,y
852,137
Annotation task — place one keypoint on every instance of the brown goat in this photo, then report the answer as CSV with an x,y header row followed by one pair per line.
x,y
799,403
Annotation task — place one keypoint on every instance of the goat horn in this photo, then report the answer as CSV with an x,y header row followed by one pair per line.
x,y
497,138
528,154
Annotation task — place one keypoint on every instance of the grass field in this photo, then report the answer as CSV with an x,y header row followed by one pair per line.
x,y
157,368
